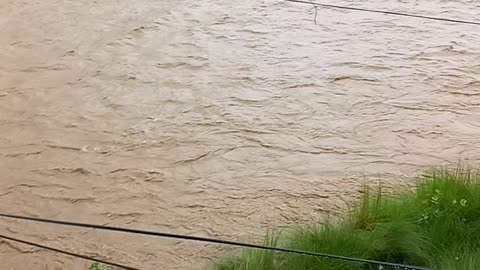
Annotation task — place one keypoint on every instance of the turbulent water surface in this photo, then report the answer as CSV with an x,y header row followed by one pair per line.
x,y
219,118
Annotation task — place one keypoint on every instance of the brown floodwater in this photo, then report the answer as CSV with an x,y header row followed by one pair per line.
x,y
219,118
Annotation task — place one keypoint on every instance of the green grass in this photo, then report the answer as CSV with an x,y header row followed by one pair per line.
x,y
98,266
436,225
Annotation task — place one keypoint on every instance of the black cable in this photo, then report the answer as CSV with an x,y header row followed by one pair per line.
x,y
383,12
215,241
67,253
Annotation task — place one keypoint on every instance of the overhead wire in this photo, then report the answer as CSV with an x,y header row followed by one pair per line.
x,y
214,241
383,12
89,258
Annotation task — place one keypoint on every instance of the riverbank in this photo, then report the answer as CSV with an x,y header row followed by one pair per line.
x,y
436,225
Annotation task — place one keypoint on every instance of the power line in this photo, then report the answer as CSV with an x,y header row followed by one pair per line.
x,y
215,241
67,253
383,12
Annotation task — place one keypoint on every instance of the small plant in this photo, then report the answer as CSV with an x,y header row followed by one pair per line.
x,y
98,266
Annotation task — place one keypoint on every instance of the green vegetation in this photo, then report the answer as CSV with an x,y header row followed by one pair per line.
x,y
436,225
98,266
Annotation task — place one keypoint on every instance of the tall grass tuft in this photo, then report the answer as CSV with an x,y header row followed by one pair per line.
x,y
436,225
254,259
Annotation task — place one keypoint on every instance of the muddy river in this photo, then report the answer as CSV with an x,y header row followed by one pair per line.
x,y
219,118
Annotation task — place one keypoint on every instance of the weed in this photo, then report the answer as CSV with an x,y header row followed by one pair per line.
x,y
98,266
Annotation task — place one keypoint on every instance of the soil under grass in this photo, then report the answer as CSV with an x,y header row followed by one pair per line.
x,y
436,225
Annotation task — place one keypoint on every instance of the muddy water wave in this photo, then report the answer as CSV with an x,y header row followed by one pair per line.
x,y
219,118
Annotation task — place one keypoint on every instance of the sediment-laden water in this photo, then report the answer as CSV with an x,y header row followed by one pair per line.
x,y
219,118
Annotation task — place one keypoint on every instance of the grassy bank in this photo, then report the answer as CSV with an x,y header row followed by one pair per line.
x,y
436,225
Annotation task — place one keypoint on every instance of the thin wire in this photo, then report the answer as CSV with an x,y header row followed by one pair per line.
x,y
316,12
215,241
67,253
384,12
